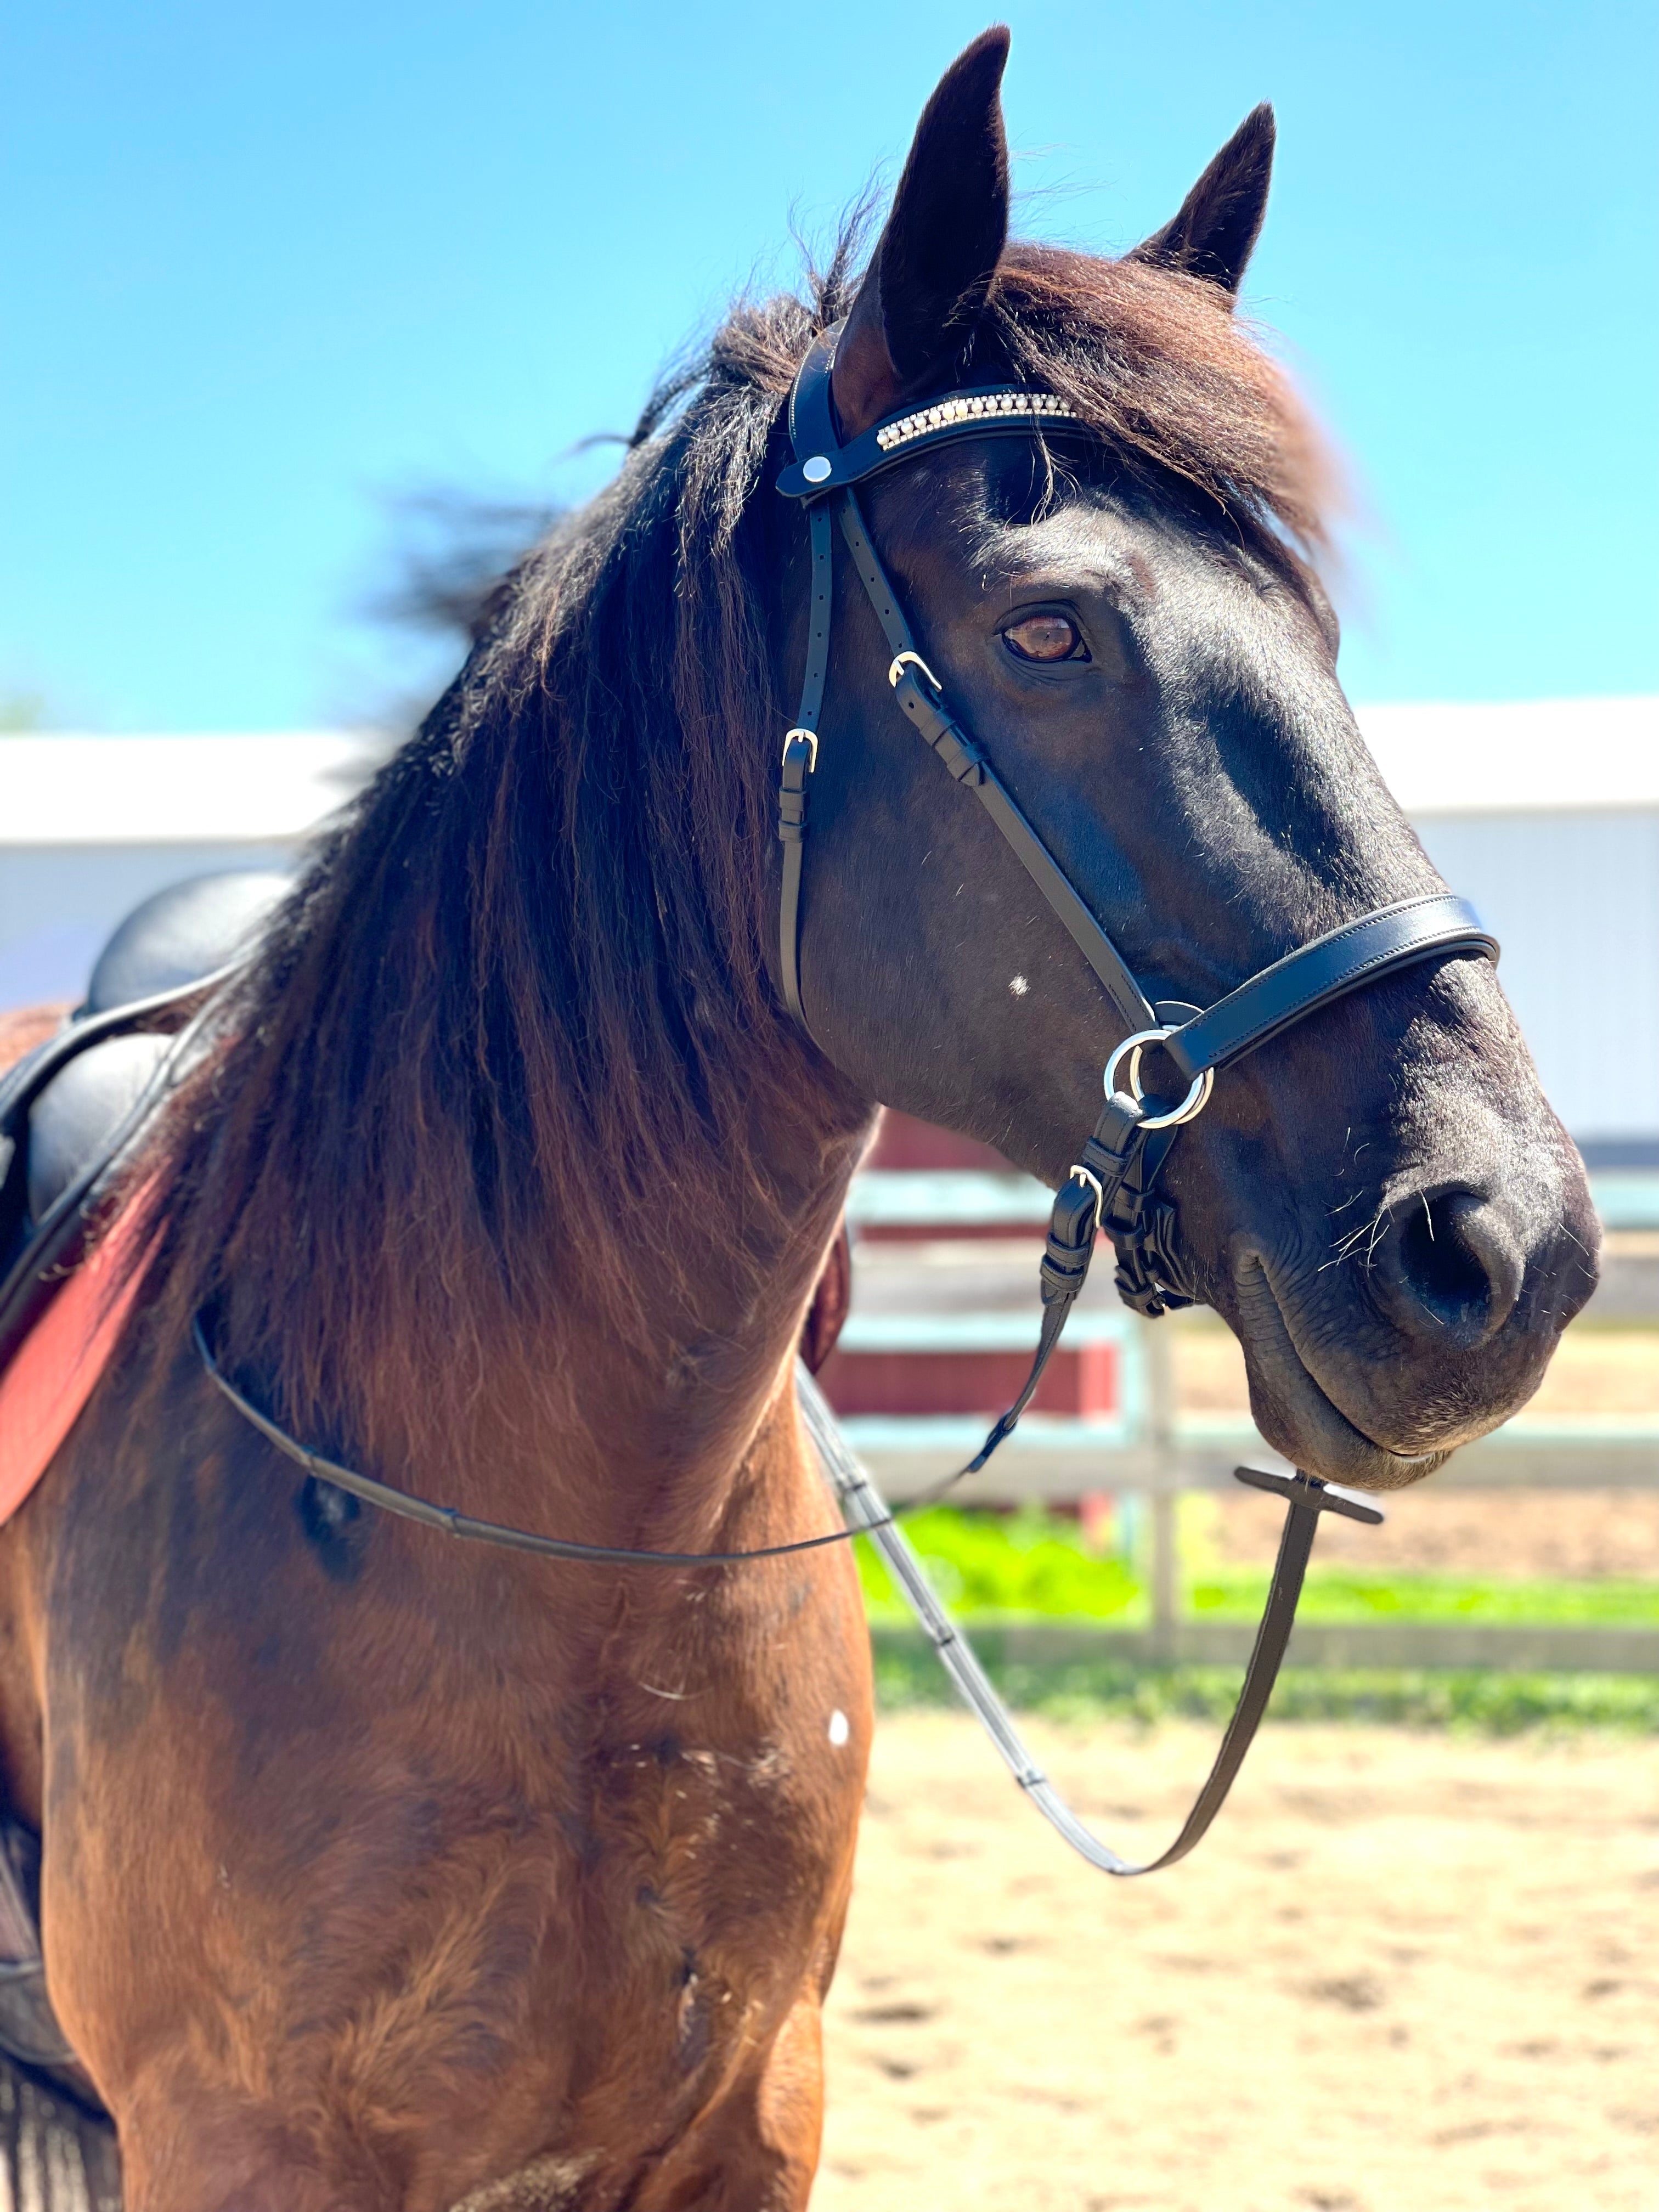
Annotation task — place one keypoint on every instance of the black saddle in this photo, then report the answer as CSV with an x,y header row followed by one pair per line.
x,y
67,1111
63,1105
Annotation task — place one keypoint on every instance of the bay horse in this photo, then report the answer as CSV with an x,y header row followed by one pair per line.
x,y
382,1872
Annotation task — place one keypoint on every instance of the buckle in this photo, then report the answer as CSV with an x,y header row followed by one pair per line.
x,y
900,661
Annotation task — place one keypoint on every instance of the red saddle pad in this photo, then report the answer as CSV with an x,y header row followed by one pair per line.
x,y
57,1368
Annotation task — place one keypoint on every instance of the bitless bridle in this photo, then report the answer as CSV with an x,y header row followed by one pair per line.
x,y
1112,1189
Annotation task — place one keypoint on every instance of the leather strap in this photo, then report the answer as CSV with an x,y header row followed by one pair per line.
x,y
1307,1496
1082,1205
449,1521
922,704
1329,967
822,465
800,759
812,425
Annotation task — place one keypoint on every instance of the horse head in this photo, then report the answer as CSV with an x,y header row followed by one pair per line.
x,y
1380,1201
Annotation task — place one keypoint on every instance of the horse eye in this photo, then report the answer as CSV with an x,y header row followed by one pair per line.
x,y
1045,637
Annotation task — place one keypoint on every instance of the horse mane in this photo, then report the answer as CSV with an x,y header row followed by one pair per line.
x,y
515,1019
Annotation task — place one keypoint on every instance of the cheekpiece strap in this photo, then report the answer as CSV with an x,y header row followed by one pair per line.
x,y
923,706
800,758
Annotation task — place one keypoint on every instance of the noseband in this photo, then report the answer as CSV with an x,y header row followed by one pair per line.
x,y
1113,1187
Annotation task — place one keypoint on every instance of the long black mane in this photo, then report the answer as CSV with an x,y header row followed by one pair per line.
x,y
522,992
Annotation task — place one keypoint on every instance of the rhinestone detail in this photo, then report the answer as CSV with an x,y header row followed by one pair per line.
x,y
1033,406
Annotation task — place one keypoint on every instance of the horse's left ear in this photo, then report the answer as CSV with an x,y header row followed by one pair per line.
x,y
929,275
1220,217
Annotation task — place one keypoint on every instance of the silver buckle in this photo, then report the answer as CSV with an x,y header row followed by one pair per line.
x,y
1085,1174
896,668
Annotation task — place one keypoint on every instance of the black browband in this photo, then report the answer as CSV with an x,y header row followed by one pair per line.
x,y
1112,1186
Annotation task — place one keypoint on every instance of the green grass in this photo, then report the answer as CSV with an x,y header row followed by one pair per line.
x,y
1031,1562
995,1570
1035,1564
1348,1592
908,1677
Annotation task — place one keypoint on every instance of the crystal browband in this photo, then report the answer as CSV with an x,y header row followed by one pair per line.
x,y
822,465
973,406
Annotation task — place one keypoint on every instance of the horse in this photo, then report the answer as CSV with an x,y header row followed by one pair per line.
x,y
384,1872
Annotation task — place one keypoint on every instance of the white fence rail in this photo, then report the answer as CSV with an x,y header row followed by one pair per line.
x,y
1148,1447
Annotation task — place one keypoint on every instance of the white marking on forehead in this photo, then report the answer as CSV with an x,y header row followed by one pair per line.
x,y
839,1731
1019,986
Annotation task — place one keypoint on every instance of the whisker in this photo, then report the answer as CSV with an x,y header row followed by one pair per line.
x,y
1346,1244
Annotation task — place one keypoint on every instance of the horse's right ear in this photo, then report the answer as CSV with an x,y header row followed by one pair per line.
x,y
1216,228
927,280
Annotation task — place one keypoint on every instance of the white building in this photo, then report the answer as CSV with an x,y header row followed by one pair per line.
x,y
1547,815
90,826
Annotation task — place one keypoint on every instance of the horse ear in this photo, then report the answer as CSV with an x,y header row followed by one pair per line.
x,y
930,273
1220,217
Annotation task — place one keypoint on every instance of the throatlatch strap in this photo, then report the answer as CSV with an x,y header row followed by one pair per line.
x,y
800,758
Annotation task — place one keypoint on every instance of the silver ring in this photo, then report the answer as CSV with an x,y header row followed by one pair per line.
x,y
812,738
1190,1107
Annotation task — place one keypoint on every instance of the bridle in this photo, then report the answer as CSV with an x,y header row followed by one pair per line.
x,y
1112,1186
1112,1189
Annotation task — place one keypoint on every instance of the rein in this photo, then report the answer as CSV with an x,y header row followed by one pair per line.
x,y
1112,1187
1308,1498
451,1522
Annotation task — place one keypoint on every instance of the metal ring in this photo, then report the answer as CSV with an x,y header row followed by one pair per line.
x,y
1190,1107
812,738
895,669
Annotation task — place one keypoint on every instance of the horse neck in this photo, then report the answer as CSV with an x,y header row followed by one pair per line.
x,y
664,1421
546,1382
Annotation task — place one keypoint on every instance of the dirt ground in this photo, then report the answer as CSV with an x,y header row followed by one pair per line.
x,y
1572,1535
1404,1973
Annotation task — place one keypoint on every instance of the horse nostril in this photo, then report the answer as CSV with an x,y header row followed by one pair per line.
x,y
1458,1262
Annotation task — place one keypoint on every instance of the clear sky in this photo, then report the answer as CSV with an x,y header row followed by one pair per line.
x,y
266,266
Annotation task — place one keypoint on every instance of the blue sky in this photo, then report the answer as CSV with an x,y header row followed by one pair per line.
x,y
268,266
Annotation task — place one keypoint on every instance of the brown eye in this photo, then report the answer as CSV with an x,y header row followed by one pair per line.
x,y
1045,637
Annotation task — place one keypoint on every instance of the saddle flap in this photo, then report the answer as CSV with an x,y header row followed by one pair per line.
x,y
72,1122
